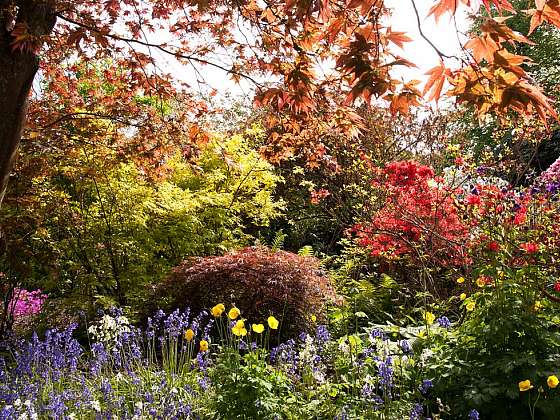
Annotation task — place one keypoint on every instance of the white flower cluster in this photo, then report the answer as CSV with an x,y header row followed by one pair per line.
x,y
308,358
455,177
109,328
24,411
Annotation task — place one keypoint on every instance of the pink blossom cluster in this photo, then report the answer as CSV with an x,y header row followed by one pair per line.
x,y
549,180
25,303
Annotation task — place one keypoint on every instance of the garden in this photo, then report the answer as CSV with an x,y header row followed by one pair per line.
x,y
272,210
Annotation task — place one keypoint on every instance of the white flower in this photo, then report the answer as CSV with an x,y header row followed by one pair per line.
x,y
27,403
96,405
17,403
432,183
343,347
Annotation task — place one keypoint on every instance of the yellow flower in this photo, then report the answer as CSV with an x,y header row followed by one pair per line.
x,y
239,329
461,280
525,385
480,282
313,318
552,381
272,323
538,305
234,313
258,328
470,306
189,335
463,296
203,345
218,310
429,318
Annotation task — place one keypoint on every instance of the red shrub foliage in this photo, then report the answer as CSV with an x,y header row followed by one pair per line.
x,y
257,280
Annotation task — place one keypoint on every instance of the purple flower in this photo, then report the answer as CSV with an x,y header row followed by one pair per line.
x,y
405,346
376,333
322,334
473,415
416,412
385,373
444,322
425,386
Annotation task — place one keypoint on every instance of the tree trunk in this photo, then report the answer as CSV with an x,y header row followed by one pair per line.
x,y
17,71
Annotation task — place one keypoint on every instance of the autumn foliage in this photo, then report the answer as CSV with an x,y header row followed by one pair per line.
x,y
258,280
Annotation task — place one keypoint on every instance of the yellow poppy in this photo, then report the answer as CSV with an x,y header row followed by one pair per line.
x,y
463,296
538,305
239,329
461,280
429,318
552,381
203,345
258,328
189,335
470,306
234,313
218,310
272,323
525,385
480,282
313,318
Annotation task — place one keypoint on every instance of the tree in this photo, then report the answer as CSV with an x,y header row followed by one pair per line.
x,y
290,41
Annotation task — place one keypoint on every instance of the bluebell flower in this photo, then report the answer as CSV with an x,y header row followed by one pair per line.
x,y
474,415
385,373
322,334
405,346
443,322
425,386
416,412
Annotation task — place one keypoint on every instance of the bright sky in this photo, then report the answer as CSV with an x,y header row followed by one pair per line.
x,y
444,34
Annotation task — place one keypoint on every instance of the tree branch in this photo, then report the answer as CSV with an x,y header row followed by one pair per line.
x,y
161,48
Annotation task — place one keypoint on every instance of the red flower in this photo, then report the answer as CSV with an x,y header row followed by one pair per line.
x,y
493,246
474,200
557,286
529,247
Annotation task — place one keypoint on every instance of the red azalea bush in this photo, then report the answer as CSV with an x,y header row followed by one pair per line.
x,y
418,218
423,224
257,280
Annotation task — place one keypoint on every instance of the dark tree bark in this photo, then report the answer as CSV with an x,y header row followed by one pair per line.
x,y
17,71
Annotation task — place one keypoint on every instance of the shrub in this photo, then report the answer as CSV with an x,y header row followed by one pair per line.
x,y
257,279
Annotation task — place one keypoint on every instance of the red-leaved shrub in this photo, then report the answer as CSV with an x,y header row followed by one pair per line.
x,y
257,280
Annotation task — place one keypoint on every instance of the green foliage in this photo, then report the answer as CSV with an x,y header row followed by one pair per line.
x,y
247,387
505,340
108,230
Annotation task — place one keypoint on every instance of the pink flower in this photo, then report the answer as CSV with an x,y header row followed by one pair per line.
x,y
25,303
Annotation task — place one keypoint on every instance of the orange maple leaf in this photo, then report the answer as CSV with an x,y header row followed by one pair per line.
x,y
438,76
397,38
546,11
